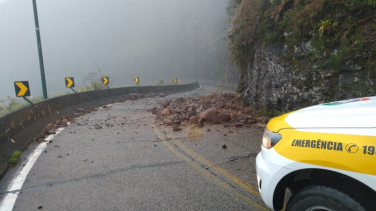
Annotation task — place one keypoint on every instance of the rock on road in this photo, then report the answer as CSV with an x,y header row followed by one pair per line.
x,y
120,158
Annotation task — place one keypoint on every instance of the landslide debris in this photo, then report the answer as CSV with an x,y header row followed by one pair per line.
x,y
226,109
136,96
63,122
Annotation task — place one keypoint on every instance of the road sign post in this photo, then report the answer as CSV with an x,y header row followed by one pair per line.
x,y
106,81
40,54
22,90
69,83
136,80
176,81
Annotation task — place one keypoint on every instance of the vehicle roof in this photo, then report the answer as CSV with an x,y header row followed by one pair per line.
x,y
359,112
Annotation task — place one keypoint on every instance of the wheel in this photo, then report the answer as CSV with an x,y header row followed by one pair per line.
x,y
323,198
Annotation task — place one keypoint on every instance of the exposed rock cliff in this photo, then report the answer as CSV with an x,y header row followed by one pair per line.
x,y
274,84
289,61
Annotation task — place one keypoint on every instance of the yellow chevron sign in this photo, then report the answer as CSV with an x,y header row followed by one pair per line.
x,y
105,80
69,82
175,80
136,80
22,88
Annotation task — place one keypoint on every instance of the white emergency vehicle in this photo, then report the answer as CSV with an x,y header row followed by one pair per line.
x,y
325,155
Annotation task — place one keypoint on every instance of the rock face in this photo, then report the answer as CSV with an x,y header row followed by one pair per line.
x,y
282,80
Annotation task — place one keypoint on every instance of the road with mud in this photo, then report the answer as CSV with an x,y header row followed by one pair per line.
x,y
120,157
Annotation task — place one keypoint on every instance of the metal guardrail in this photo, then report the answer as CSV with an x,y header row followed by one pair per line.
x,y
18,128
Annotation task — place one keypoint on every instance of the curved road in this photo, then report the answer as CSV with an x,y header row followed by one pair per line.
x,y
120,158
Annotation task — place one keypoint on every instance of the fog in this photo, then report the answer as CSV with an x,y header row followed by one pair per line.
x,y
152,39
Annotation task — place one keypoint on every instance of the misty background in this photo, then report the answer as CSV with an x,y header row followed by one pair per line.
x,y
152,39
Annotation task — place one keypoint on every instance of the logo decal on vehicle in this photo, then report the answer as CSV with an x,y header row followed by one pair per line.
x,y
347,101
352,148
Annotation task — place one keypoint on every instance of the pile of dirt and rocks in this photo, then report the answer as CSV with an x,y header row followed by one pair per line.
x,y
52,127
135,96
224,109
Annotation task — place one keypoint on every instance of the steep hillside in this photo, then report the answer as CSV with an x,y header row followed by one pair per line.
x,y
296,53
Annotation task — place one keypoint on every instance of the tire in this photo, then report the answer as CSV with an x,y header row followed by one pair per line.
x,y
323,198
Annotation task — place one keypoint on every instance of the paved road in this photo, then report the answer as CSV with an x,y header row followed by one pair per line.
x,y
121,158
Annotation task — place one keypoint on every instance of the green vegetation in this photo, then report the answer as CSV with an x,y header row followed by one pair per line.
x,y
10,103
161,82
242,34
92,81
15,157
335,32
231,8
327,25
346,27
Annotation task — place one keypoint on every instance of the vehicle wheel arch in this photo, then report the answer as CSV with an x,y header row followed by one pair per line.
x,y
303,177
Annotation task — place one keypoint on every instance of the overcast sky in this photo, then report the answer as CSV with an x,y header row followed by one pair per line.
x,y
152,39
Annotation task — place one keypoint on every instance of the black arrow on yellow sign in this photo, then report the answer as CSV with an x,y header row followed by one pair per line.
x,y
136,80
69,82
22,88
175,80
105,80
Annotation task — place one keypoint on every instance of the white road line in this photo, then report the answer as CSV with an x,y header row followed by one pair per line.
x,y
197,88
15,186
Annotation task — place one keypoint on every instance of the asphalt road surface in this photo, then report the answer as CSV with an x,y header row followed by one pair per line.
x,y
121,158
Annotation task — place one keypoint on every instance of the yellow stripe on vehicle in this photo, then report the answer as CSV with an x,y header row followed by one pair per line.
x,y
356,153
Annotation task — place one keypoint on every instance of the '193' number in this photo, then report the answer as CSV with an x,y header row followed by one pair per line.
x,y
369,150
